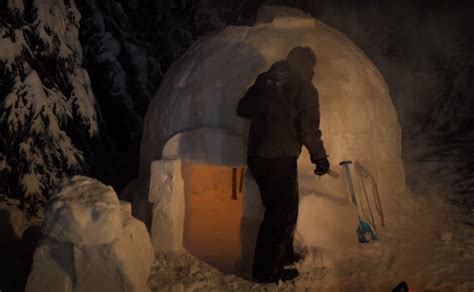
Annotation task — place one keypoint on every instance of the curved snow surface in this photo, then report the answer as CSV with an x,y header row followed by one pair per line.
x,y
192,117
202,89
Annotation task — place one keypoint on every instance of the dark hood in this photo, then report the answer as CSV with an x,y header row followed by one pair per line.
x,y
302,61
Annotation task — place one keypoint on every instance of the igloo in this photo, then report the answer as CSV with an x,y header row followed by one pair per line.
x,y
191,121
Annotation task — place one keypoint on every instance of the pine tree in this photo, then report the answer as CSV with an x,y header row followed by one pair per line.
x,y
45,96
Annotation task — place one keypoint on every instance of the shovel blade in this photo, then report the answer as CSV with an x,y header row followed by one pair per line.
x,y
362,230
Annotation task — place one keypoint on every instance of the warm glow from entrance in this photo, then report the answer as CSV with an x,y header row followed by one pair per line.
x,y
213,213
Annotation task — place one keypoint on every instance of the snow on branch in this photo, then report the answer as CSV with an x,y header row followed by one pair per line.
x,y
45,94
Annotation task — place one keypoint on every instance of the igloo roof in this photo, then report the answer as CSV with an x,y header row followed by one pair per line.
x,y
197,99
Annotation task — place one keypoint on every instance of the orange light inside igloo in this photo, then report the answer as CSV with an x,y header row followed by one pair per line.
x,y
213,196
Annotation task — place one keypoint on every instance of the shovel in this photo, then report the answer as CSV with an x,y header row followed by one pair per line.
x,y
364,227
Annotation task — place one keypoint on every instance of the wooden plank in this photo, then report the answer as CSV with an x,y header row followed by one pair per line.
x,y
234,183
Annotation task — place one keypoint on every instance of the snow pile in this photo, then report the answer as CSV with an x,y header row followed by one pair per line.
x,y
44,90
83,212
202,89
91,243
192,117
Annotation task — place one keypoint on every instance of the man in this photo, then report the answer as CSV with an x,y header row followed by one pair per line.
x,y
283,106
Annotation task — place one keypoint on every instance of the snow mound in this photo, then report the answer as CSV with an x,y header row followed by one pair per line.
x,y
201,91
83,211
92,243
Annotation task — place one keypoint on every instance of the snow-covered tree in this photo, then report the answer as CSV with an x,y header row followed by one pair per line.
x,y
48,112
47,107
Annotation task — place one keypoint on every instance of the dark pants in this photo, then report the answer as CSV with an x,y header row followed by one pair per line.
x,y
277,180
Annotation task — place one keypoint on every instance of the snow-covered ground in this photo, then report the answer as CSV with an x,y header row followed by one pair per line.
x,y
415,254
432,249
413,250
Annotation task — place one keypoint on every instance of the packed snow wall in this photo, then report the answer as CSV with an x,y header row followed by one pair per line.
x,y
202,89
193,118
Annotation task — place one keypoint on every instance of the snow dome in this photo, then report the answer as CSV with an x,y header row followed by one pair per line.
x,y
192,117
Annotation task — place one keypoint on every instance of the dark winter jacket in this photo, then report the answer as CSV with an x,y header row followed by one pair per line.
x,y
283,106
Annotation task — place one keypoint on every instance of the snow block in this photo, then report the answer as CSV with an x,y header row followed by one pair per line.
x,y
327,222
53,267
84,212
166,193
122,264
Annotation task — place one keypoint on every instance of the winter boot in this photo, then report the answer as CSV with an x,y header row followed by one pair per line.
x,y
291,260
282,274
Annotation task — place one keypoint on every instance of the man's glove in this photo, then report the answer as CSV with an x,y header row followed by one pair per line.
x,y
322,166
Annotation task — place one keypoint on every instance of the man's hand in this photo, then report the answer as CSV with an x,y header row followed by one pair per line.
x,y
322,166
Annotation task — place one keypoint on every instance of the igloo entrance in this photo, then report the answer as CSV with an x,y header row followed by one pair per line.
x,y
193,188
213,210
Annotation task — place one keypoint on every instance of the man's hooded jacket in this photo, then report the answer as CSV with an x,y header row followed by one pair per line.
x,y
283,106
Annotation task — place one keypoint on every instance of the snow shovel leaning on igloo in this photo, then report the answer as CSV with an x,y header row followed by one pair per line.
x,y
364,227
